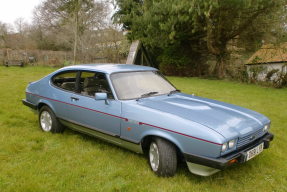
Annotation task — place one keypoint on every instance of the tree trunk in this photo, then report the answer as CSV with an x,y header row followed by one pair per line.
x,y
221,62
75,37
220,67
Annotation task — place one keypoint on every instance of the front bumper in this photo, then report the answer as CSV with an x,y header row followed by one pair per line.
x,y
238,156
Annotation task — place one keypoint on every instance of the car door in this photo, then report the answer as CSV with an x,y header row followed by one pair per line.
x,y
95,114
63,87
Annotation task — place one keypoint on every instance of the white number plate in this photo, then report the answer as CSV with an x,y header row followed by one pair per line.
x,y
255,151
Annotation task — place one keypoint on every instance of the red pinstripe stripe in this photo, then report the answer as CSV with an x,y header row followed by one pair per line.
x,y
79,106
140,123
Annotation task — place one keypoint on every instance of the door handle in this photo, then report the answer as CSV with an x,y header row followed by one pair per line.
x,y
74,98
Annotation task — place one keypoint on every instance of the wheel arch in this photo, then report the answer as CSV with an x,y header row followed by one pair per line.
x,y
45,103
146,140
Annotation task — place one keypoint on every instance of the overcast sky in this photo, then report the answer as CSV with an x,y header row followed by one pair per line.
x,y
10,10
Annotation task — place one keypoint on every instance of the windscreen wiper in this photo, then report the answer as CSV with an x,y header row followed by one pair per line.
x,y
173,91
148,94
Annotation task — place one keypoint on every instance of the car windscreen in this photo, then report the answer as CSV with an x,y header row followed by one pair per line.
x,y
133,85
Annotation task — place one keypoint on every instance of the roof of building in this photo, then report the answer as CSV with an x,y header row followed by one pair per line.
x,y
110,68
269,54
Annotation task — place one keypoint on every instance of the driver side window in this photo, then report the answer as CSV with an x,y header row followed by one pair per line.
x,y
93,82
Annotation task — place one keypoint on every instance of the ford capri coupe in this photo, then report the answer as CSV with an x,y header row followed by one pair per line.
x,y
137,108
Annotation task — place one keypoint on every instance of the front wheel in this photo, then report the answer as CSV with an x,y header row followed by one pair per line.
x,y
48,121
162,157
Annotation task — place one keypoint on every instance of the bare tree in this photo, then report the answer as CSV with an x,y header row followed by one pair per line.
x,y
20,25
78,16
3,34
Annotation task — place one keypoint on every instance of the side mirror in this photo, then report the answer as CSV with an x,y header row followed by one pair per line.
x,y
102,96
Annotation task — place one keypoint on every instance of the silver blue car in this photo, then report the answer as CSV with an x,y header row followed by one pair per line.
x,y
137,108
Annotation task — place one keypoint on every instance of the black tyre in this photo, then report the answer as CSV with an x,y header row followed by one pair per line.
x,y
162,157
48,121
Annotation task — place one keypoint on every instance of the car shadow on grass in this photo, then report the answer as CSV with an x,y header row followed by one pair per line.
x,y
105,145
233,172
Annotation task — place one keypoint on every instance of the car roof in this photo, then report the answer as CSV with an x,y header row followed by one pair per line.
x,y
109,68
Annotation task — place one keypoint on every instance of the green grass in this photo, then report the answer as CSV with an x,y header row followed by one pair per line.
x,y
31,160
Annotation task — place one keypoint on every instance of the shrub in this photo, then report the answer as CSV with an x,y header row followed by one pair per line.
x,y
281,81
270,74
177,61
177,66
238,73
254,72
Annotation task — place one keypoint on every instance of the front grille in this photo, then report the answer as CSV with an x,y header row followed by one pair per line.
x,y
249,138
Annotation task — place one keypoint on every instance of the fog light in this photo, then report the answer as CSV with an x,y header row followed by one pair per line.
x,y
231,144
224,147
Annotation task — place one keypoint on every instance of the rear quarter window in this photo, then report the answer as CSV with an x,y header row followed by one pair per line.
x,y
65,80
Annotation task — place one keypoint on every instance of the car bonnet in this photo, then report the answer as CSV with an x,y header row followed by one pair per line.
x,y
226,119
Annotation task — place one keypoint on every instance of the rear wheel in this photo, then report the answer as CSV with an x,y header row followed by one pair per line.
x,y
48,121
162,157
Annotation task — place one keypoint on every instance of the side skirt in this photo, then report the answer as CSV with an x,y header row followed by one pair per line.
x,y
135,147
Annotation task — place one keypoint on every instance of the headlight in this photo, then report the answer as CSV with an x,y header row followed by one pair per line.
x,y
231,144
224,147
266,127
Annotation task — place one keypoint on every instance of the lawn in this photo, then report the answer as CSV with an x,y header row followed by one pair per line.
x,y
31,160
